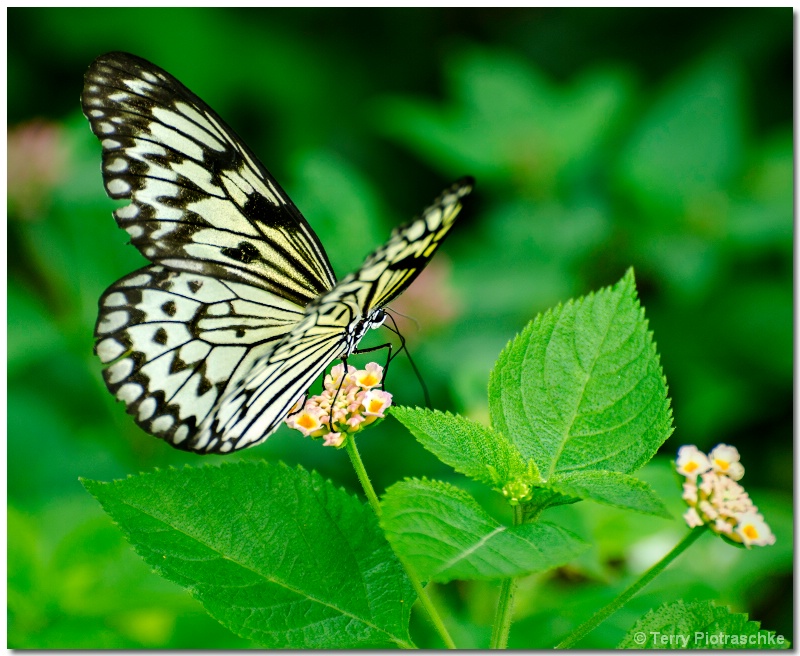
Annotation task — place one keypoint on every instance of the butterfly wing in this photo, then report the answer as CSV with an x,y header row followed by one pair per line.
x,y
254,407
388,271
174,341
333,324
212,346
201,202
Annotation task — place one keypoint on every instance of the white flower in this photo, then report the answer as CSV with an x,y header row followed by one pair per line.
x,y
722,526
753,530
692,518
691,462
725,460
718,501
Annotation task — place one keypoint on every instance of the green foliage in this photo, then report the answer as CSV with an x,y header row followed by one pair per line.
x,y
444,534
699,625
581,387
613,489
465,445
601,139
276,555
591,361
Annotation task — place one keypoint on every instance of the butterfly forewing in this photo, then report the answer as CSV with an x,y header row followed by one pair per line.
x,y
200,200
388,271
212,345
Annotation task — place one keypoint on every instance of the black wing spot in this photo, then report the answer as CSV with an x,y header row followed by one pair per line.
x,y
160,336
244,253
203,386
169,308
195,285
240,332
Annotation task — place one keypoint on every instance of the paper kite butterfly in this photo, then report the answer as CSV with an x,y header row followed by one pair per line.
x,y
212,344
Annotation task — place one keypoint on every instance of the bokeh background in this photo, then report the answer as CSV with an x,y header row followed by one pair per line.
x,y
600,139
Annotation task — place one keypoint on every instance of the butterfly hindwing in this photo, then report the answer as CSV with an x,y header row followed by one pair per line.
x,y
174,341
200,200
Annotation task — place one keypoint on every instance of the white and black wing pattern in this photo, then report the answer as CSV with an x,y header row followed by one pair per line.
x,y
388,271
174,342
201,202
212,345
332,327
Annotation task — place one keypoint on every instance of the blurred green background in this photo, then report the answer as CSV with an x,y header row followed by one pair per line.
x,y
600,139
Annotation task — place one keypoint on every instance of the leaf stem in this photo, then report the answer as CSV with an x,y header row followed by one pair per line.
x,y
505,603
361,472
620,601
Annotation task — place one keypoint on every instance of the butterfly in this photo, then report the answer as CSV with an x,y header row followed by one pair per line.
x,y
212,345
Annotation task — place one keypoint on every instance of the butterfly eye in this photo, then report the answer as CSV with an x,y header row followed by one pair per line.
x,y
377,318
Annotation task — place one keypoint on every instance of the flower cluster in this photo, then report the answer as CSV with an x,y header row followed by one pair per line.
x,y
717,499
348,404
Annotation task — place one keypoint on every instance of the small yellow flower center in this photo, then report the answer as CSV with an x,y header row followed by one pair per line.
x,y
690,466
750,531
375,405
307,422
722,464
370,380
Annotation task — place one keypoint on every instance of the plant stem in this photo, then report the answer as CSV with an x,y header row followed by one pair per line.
x,y
361,472
505,603
620,601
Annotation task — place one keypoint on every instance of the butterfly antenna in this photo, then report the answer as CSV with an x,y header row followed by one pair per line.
x,y
406,316
402,348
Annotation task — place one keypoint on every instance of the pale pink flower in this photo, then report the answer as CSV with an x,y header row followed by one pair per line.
x,y
347,404
375,402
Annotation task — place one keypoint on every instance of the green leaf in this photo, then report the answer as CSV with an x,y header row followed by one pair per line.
x,y
612,489
699,625
277,555
581,387
444,534
465,445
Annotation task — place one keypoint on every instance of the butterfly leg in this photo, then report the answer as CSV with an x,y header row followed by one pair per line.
x,y
389,357
336,396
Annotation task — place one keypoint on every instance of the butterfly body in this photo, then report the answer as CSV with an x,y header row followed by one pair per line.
x,y
212,344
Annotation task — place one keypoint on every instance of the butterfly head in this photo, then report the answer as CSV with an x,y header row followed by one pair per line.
x,y
359,327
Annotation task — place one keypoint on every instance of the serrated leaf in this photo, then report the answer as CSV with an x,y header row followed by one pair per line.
x,y
612,489
277,555
699,625
581,387
443,533
465,445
